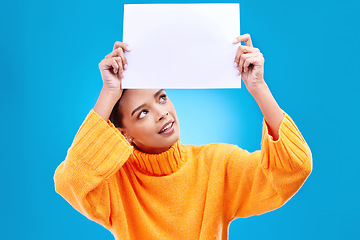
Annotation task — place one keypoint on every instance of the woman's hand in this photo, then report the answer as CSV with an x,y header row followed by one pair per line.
x,y
112,68
250,63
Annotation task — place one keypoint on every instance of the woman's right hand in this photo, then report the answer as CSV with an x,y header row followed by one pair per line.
x,y
112,68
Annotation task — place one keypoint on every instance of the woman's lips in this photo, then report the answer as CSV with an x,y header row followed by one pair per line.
x,y
168,128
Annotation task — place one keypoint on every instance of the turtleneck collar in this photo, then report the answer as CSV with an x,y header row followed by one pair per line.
x,y
161,164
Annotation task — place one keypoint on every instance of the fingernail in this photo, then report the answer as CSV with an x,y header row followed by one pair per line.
x,y
238,73
235,40
235,64
128,48
115,71
125,66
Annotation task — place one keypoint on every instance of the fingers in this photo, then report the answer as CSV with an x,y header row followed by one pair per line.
x,y
117,58
244,38
115,63
243,53
118,53
244,49
121,45
118,50
107,63
255,60
246,59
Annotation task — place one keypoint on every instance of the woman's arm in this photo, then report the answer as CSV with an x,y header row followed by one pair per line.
x,y
85,178
264,180
111,68
250,62
272,112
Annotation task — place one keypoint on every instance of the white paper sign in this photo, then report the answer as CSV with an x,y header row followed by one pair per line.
x,y
181,45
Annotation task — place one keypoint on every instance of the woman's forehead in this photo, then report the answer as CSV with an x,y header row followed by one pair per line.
x,y
135,97
141,93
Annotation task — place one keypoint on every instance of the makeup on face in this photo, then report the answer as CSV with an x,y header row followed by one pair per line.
x,y
145,105
150,118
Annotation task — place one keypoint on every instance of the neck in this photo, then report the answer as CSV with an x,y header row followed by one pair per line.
x,y
151,150
159,164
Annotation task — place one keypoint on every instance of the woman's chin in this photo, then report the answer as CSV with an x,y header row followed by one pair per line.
x,y
160,146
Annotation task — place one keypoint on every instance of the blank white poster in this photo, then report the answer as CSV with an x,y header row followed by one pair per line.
x,y
181,46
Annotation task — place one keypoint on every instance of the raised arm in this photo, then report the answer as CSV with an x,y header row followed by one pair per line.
x,y
264,180
98,151
111,68
250,63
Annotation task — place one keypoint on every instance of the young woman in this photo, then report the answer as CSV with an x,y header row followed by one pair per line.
x,y
132,174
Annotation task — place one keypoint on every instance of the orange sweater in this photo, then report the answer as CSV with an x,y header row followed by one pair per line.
x,y
187,192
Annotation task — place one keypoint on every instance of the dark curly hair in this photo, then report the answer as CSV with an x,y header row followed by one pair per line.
x,y
116,114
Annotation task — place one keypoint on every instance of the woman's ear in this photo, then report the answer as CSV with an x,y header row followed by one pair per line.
x,y
126,135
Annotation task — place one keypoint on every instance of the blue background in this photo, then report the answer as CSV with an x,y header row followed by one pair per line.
x,y
50,51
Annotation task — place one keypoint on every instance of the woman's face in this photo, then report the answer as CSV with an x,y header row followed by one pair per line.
x,y
149,119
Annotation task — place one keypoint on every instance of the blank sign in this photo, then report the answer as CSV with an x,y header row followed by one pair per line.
x,y
181,45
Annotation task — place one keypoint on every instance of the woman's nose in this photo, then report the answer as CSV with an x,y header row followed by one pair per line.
x,y
163,115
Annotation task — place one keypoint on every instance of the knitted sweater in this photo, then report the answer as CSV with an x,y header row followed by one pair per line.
x,y
186,192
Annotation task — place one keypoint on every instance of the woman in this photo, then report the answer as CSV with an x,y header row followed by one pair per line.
x,y
132,175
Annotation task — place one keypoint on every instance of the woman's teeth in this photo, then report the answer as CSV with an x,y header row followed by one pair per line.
x,y
166,127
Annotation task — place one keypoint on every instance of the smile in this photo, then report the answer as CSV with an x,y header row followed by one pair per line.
x,y
167,128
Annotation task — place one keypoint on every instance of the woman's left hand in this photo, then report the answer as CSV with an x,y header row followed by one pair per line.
x,y
250,63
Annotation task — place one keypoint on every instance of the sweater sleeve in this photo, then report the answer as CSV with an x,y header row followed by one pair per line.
x,y
264,180
97,152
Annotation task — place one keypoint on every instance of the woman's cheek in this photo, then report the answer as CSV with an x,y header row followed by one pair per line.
x,y
145,127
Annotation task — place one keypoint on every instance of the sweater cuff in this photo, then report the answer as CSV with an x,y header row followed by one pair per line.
x,y
98,147
266,128
289,150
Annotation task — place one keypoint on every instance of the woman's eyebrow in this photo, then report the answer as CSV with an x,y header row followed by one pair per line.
x,y
138,108
158,92
143,105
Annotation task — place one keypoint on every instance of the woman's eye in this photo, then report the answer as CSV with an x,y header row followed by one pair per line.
x,y
163,98
142,114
